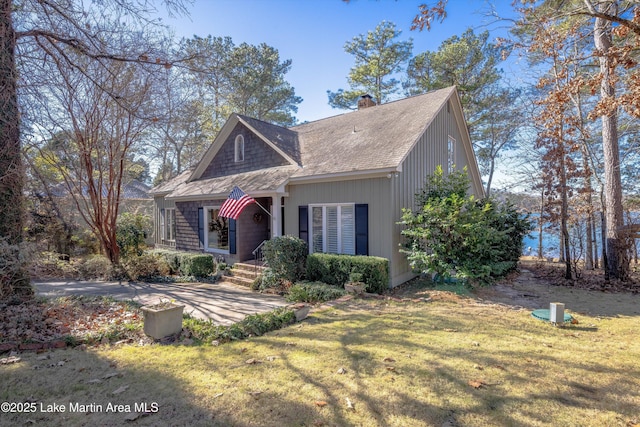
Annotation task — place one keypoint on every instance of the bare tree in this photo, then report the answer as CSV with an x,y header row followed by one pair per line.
x,y
98,135
41,30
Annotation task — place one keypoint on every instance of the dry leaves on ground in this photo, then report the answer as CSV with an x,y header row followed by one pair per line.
x,y
477,383
38,321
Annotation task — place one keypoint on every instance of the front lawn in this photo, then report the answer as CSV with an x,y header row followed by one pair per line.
x,y
437,360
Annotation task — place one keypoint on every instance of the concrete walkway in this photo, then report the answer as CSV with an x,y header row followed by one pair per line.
x,y
222,302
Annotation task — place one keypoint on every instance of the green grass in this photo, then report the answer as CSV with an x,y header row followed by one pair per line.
x,y
404,364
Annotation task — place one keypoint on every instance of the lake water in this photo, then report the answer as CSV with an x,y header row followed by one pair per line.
x,y
551,243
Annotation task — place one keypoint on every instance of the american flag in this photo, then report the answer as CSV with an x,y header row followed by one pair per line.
x,y
235,203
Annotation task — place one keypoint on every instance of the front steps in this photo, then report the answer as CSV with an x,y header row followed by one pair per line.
x,y
243,274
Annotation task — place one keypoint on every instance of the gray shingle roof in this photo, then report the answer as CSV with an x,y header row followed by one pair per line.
x,y
253,182
283,138
378,137
371,138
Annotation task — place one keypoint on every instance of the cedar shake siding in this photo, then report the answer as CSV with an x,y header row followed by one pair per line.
x,y
187,229
257,155
250,231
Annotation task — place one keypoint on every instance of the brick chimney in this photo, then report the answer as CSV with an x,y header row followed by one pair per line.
x,y
365,101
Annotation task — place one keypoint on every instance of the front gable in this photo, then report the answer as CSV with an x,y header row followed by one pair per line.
x,y
258,152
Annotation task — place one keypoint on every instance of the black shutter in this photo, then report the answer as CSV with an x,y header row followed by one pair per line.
x,y
200,228
303,223
362,229
232,236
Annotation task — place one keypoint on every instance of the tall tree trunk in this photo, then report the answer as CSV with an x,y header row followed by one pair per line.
x,y
617,265
603,231
540,224
564,215
595,241
588,189
490,178
15,282
588,254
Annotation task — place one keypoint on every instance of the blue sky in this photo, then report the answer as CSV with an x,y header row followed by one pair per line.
x,y
312,33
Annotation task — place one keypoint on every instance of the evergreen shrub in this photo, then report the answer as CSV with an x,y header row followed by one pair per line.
x,y
313,292
336,270
455,235
286,257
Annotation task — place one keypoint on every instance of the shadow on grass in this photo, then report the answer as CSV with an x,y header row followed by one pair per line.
x,y
530,373
93,390
431,378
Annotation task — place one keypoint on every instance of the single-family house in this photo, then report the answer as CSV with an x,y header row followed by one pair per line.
x,y
339,183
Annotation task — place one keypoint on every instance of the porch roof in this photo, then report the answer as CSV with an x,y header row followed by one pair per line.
x,y
254,183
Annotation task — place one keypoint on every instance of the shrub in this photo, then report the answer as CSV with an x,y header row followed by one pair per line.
x,y
14,277
286,256
85,243
336,270
131,231
53,264
252,325
314,292
187,263
146,266
96,267
266,280
170,256
198,265
454,234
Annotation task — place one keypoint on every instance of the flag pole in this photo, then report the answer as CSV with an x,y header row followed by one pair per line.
x,y
263,208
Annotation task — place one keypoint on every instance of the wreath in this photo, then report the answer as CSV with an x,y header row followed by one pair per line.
x,y
257,217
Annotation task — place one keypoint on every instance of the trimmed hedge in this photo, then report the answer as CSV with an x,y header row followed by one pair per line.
x,y
187,263
198,265
336,269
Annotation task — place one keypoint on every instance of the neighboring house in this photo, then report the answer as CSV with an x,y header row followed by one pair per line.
x,y
338,183
134,198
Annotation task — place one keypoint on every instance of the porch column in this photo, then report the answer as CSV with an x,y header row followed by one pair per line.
x,y
276,223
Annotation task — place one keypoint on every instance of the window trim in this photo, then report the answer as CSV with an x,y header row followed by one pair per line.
x,y
206,214
163,229
169,229
324,207
239,149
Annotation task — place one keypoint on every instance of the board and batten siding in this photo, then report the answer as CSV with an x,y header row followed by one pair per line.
x,y
430,151
159,203
371,191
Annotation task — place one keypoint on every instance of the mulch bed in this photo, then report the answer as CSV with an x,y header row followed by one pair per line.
x,y
42,324
593,280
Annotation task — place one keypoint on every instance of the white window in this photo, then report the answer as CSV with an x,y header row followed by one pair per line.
x,y
239,149
216,235
333,229
451,154
163,231
170,224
